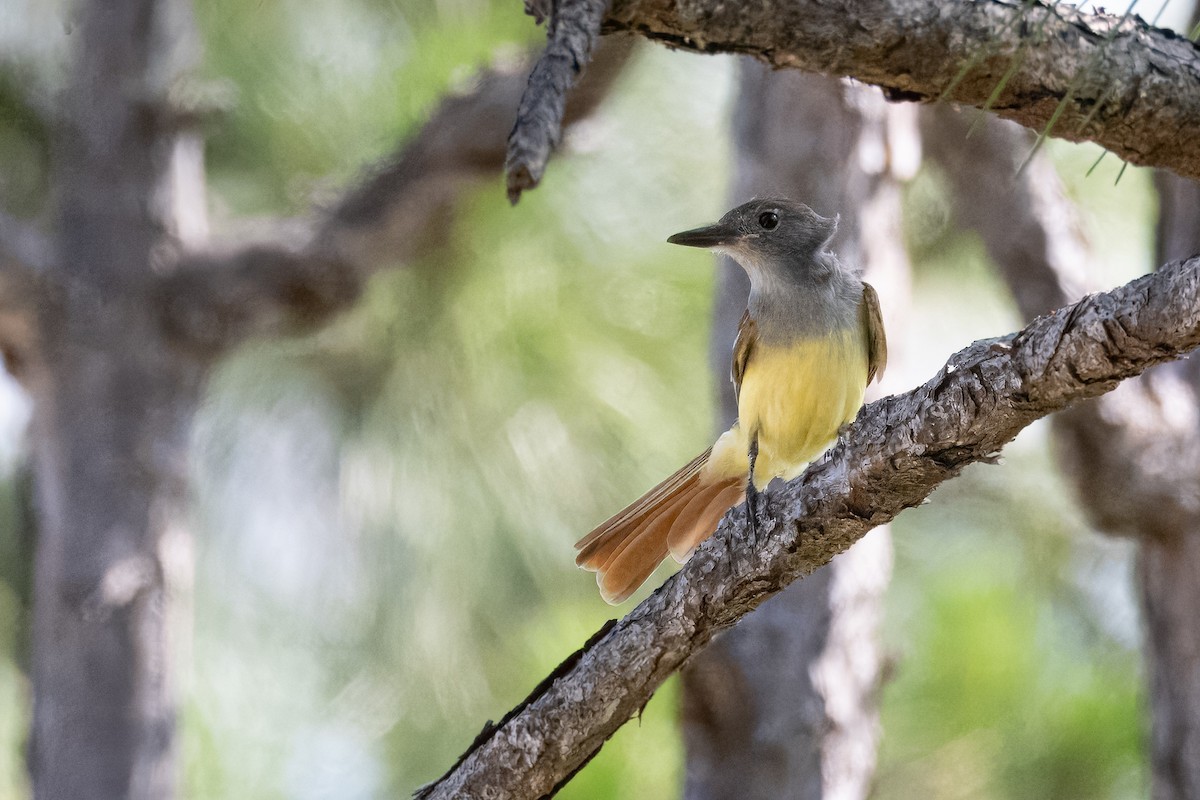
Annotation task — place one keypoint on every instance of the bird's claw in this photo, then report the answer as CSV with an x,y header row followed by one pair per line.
x,y
752,510
751,489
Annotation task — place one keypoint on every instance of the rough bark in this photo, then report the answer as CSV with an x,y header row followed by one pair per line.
x,y
1133,456
784,705
1124,451
1177,235
892,457
1127,86
572,30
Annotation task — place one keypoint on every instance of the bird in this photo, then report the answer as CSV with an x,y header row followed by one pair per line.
x,y
808,344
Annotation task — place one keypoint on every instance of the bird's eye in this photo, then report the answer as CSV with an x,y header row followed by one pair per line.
x,y
768,220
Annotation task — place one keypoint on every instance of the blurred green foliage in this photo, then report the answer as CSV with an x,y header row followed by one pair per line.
x,y
385,510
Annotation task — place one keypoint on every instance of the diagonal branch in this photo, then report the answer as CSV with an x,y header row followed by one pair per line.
x,y
399,210
892,457
1133,453
1127,86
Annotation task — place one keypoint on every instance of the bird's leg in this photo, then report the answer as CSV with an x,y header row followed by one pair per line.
x,y
751,489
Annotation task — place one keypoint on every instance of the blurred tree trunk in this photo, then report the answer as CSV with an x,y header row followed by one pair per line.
x,y
1169,565
1133,455
112,322
113,406
785,704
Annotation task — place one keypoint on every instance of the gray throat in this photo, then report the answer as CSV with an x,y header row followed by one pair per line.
x,y
787,307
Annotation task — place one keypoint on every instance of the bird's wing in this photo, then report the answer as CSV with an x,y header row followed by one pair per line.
x,y
872,319
743,349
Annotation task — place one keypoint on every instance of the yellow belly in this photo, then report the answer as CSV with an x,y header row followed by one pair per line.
x,y
796,397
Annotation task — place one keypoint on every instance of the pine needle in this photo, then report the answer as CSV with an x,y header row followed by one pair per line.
x,y
996,92
1124,164
985,52
1161,9
1069,94
1018,59
1041,138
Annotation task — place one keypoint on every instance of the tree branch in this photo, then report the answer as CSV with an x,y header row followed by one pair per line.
x,y
218,300
1129,87
1133,454
572,31
891,458
399,210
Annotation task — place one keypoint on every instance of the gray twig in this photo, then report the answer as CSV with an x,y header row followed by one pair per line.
x,y
571,36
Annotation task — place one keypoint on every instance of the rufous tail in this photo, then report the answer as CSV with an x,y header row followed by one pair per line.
x,y
671,519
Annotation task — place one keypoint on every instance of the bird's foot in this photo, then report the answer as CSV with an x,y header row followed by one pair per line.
x,y
752,503
751,489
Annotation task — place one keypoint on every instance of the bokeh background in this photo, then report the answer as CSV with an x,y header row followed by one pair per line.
x,y
384,512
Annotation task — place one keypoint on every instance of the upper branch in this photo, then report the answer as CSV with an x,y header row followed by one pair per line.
x,y
891,458
1129,87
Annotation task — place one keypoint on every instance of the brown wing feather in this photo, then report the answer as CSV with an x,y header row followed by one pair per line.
x,y
743,349
876,339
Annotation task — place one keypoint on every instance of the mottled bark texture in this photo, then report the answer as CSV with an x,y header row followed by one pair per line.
x,y
892,457
571,33
1133,456
784,705
1127,86
112,321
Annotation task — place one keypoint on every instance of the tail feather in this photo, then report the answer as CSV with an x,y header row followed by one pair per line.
x,y
646,503
691,513
599,547
686,537
672,518
599,540
655,520
643,550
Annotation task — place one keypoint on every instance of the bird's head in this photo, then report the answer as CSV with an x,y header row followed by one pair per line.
x,y
770,237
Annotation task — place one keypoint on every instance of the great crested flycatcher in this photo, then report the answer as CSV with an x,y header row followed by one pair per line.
x,y
809,342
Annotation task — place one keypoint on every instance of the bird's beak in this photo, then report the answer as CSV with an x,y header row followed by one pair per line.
x,y
716,235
